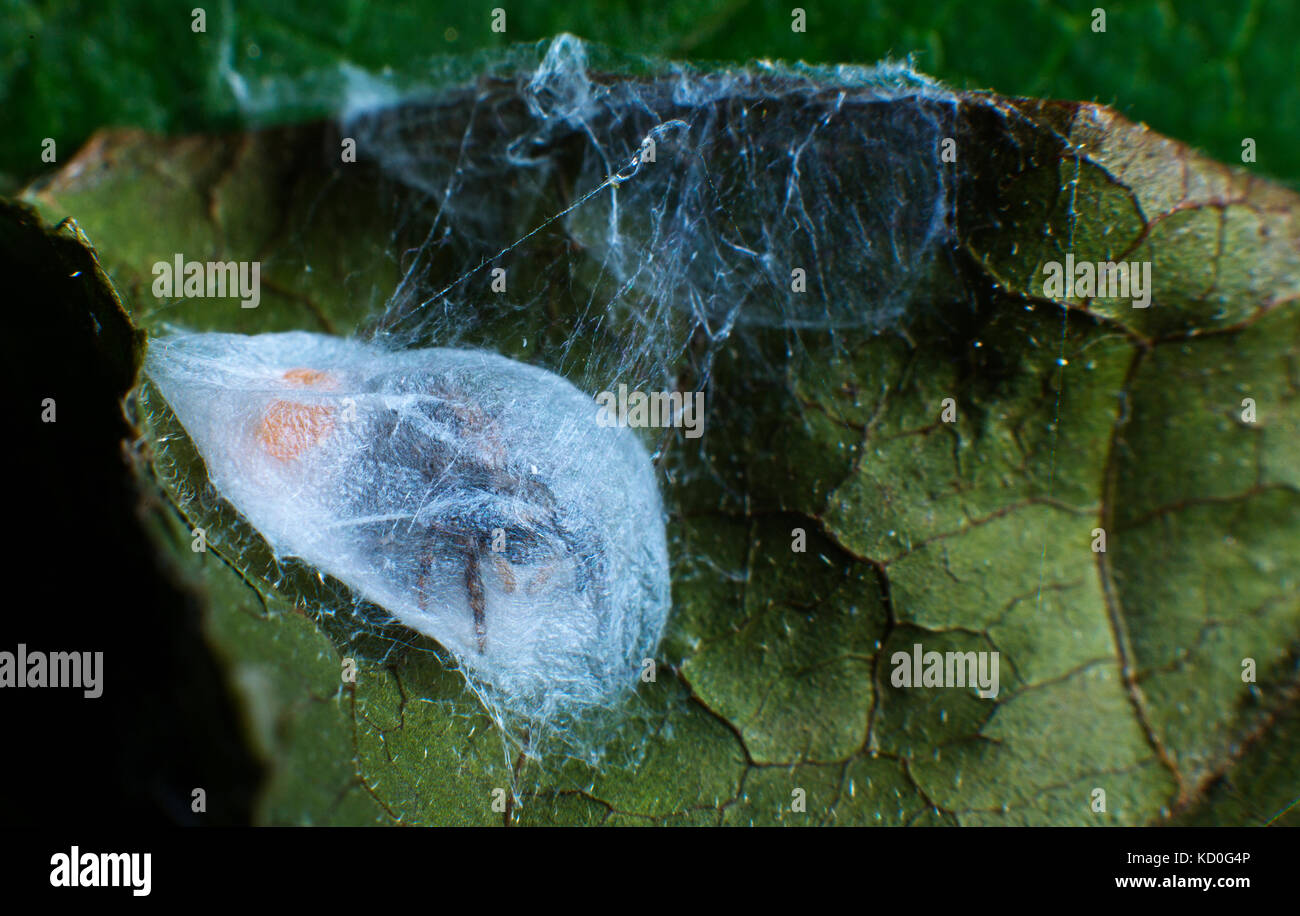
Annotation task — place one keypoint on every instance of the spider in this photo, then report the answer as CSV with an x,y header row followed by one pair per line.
x,y
448,444
456,446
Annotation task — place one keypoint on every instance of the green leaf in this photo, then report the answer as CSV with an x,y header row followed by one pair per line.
x,y
1121,670
1211,73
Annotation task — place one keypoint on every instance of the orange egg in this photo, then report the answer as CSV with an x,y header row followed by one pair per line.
x,y
290,428
309,378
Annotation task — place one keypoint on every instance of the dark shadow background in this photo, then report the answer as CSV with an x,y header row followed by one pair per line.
x,y
88,579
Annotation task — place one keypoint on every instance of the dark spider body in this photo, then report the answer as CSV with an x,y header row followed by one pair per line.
x,y
449,446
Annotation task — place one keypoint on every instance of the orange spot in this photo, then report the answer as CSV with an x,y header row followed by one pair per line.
x,y
309,378
289,429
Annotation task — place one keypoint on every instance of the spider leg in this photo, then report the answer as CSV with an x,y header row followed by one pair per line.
x,y
477,600
506,574
426,564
